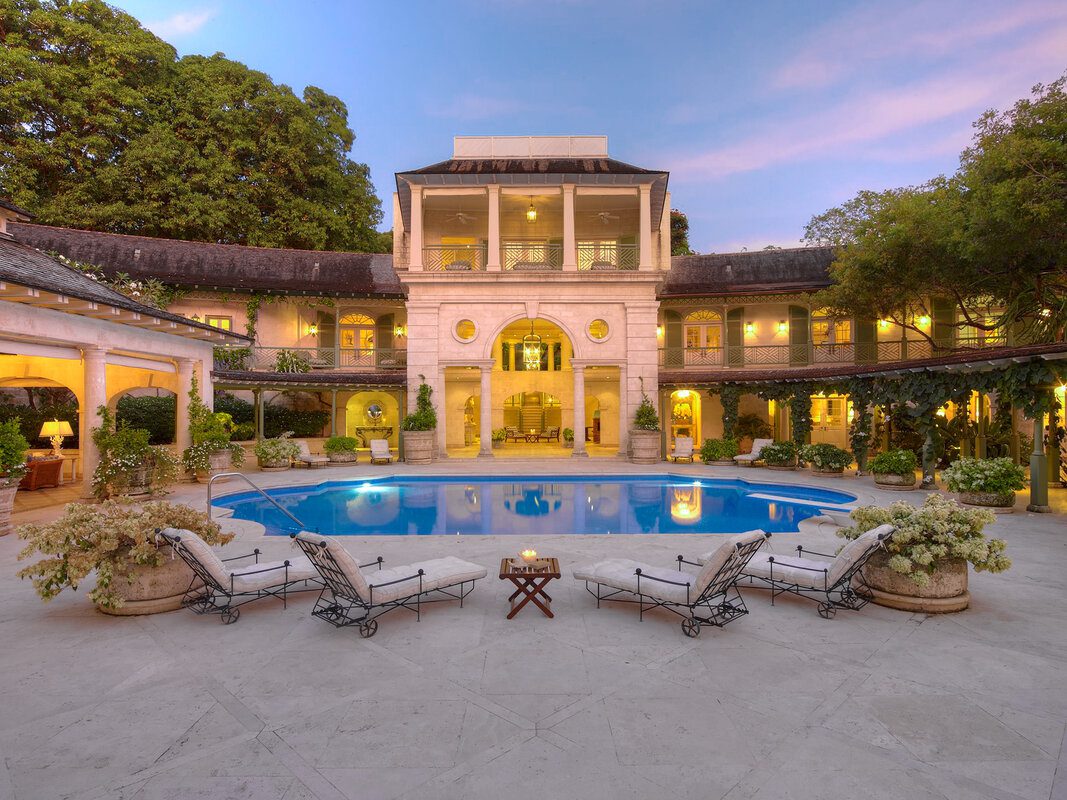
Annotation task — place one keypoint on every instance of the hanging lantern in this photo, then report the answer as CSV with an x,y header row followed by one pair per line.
x,y
531,213
531,350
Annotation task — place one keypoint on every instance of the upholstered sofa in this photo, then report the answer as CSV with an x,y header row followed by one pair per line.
x,y
41,472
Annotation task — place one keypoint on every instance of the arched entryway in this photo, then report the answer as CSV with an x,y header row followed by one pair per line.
x,y
684,416
372,415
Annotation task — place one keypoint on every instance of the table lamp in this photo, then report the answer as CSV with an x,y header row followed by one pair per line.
x,y
56,429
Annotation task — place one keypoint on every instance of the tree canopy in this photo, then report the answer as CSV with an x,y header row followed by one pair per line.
x,y
103,127
680,234
991,238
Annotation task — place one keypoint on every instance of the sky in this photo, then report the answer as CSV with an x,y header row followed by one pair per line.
x,y
764,113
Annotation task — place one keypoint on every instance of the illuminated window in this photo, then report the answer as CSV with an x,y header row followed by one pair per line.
x,y
465,330
703,336
827,331
598,329
223,323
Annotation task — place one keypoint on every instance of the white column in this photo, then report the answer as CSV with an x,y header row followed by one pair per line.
x,y
485,415
570,250
415,237
492,258
442,415
645,235
181,410
95,391
624,414
579,411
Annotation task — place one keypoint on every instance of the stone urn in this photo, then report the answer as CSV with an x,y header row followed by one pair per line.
x,y
140,481
998,503
274,465
220,460
7,505
781,467
419,446
154,590
946,591
345,457
897,483
722,462
645,447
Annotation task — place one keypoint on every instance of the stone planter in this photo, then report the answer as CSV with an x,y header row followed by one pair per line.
x,y
7,504
568,443
898,483
154,589
418,446
781,467
342,458
644,447
498,443
140,481
828,473
722,462
278,465
998,503
946,591
220,460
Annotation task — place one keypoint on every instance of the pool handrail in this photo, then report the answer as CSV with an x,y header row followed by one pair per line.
x,y
248,480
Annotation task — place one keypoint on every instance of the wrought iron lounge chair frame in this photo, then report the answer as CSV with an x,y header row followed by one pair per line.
x,y
213,597
721,600
830,597
340,604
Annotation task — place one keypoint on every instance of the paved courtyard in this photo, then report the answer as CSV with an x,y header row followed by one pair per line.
x,y
593,704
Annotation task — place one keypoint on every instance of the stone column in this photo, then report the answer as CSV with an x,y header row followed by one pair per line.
x,y
485,415
415,237
1039,469
182,438
570,248
983,426
95,391
645,234
257,405
579,411
492,257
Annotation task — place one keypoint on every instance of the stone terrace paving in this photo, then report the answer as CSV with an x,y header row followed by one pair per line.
x,y
593,704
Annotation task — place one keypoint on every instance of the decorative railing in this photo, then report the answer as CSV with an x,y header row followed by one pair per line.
x,y
533,256
310,359
595,257
453,257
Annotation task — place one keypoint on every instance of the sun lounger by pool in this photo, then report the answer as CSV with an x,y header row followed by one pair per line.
x,y
380,452
307,458
683,449
749,459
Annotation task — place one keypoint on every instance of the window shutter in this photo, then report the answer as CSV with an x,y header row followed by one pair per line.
x,y
799,335
735,337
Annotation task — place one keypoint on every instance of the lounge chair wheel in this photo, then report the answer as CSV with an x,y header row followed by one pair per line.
x,y
827,610
230,615
691,628
368,629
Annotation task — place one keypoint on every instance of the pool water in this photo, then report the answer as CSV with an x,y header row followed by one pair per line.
x,y
532,506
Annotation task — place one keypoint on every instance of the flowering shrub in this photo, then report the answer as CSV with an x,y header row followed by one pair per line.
x,y
276,451
13,447
107,538
985,475
826,457
894,462
779,454
718,450
210,433
940,530
127,460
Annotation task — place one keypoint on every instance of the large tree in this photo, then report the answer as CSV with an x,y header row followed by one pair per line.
x,y
680,234
102,127
992,238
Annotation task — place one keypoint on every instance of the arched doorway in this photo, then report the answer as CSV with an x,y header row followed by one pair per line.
x,y
372,415
684,415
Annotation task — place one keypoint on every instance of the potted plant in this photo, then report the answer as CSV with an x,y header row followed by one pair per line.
x,y
825,458
117,541
568,437
894,469
128,464
420,428
988,482
212,451
500,436
275,455
645,435
924,565
779,456
341,449
13,448
720,452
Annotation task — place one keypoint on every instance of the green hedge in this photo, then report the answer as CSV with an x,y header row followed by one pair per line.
x,y
276,419
31,419
239,410
153,414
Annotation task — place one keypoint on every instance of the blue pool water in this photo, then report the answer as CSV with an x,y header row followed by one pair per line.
x,y
539,505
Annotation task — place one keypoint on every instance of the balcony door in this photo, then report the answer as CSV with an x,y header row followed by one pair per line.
x,y
703,339
357,336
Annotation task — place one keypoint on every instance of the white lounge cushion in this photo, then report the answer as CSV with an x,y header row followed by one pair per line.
x,y
202,552
252,577
716,559
307,456
757,448
437,573
379,449
345,561
620,573
855,550
683,447
785,569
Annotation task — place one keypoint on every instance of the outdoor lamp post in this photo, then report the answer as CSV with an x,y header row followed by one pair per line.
x,y
56,429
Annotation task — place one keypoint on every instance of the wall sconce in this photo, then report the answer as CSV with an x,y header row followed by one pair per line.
x,y
659,330
883,324
195,317
750,328
400,330
312,330
783,326
941,412
531,213
924,320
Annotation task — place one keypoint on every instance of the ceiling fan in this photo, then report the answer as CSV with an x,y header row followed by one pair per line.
x,y
461,217
605,216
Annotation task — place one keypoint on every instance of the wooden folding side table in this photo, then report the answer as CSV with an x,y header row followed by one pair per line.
x,y
530,583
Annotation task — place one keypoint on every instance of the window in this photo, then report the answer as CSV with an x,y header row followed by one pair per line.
x,y
222,323
598,330
703,337
598,254
826,331
465,330
356,340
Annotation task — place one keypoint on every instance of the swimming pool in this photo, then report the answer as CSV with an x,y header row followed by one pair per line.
x,y
535,505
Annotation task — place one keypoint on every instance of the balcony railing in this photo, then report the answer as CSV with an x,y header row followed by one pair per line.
x,y
802,355
453,258
311,359
522,256
595,257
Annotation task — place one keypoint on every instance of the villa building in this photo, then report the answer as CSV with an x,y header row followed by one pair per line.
x,y
532,286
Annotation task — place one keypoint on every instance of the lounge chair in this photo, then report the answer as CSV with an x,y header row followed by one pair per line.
x,y
307,458
708,598
749,459
830,583
354,597
223,589
549,435
380,452
513,434
683,449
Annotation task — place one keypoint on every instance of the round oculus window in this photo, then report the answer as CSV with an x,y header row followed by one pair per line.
x,y
598,330
465,330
